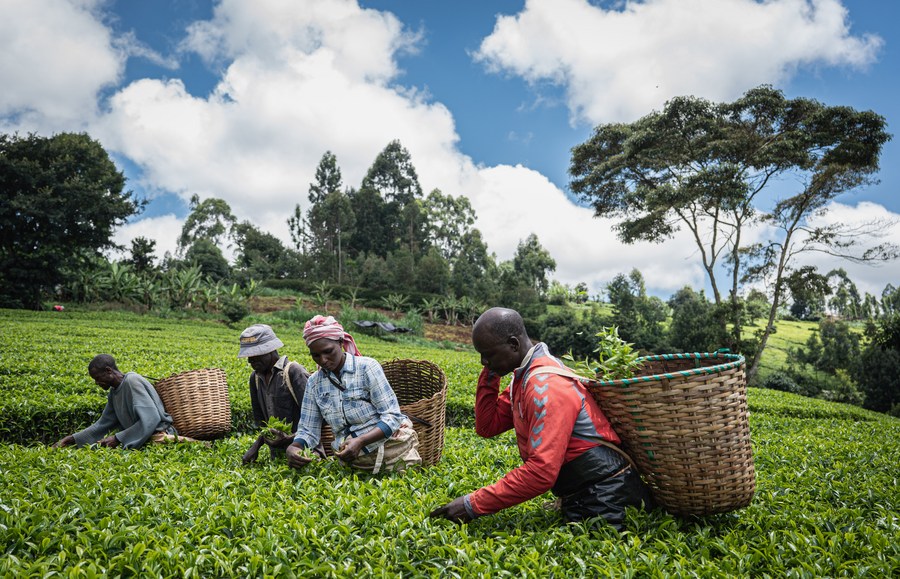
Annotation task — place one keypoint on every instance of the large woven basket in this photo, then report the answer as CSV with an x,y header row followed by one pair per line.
x,y
421,389
684,421
197,400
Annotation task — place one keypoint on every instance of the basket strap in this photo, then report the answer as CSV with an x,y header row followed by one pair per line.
x,y
567,372
286,379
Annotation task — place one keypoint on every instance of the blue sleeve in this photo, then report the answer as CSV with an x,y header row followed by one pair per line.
x,y
309,428
383,399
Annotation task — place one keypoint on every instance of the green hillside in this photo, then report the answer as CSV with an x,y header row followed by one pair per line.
x,y
827,501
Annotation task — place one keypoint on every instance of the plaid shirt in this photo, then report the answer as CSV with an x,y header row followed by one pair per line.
x,y
367,401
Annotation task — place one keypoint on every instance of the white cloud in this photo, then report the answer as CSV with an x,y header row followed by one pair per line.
x,y
294,87
516,201
55,57
164,229
872,277
619,64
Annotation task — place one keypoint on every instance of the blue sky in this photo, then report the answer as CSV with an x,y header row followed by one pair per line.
x,y
239,100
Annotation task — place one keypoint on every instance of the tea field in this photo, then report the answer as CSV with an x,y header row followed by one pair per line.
x,y
827,502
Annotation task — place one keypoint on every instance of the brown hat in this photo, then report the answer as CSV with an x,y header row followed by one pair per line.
x,y
257,340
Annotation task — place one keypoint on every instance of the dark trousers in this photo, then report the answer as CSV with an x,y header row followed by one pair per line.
x,y
600,482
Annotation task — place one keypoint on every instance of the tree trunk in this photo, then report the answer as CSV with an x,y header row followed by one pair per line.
x,y
773,311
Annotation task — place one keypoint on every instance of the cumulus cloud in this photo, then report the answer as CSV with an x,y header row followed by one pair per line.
x,y
617,64
868,277
164,230
519,201
295,86
55,58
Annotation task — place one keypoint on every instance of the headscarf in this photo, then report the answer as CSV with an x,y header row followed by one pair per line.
x,y
321,327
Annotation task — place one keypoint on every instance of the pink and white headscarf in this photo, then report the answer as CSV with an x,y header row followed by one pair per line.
x,y
321,327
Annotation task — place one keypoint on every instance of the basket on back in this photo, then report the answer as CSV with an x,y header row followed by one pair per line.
x,y
683,419
197,400
421,389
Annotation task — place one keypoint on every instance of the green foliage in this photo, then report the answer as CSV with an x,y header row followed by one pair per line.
x,y
565,330
780,381
206,255
878,371
694,326
615,358
395,302
189,510
532,264
61,198
638,317
235,309
210,219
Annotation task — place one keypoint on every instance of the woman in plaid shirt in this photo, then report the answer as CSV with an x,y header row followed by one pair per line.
x,y
351,394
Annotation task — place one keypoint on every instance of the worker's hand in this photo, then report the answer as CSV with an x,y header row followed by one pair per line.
x,y
278,439
109,441
294,457
350,449
454,511
67,441
489,378
253,452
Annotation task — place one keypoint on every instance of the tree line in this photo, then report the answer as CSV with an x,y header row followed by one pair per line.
x,y
696,165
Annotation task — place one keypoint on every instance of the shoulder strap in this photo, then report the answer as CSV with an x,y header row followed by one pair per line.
x,y
286,379
569,373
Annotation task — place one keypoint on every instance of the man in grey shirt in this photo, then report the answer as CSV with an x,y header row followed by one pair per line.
x,y
133,408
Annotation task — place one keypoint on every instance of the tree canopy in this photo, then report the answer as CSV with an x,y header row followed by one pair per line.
x,y
703,166
62,198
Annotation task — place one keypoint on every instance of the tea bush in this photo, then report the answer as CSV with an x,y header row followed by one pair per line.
x,y
827,501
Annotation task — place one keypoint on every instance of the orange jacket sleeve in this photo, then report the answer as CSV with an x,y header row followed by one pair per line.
x,y
493,411
549,407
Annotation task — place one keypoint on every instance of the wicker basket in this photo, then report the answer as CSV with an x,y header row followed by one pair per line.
x,y
684,421
198,402
421,389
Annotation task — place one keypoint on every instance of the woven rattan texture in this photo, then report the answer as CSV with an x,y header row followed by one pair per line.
x,y
689,435
198,402
421,389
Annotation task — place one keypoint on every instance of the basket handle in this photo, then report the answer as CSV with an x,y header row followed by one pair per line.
x,y
419,420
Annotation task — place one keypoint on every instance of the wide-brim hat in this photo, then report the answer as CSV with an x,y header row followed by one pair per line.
x,y
257,340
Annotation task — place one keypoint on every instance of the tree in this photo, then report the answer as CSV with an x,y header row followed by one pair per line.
x,y
564,331
142,254
394,177
432,272
693,327
532,264
328,178
846,301
638,316
890,299
372,236
449,220
209,219
703,166
62,198
878,371
260,255
331,225
474,269
807,288
206,255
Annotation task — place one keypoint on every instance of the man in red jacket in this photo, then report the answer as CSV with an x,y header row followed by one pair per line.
x,y
562,435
